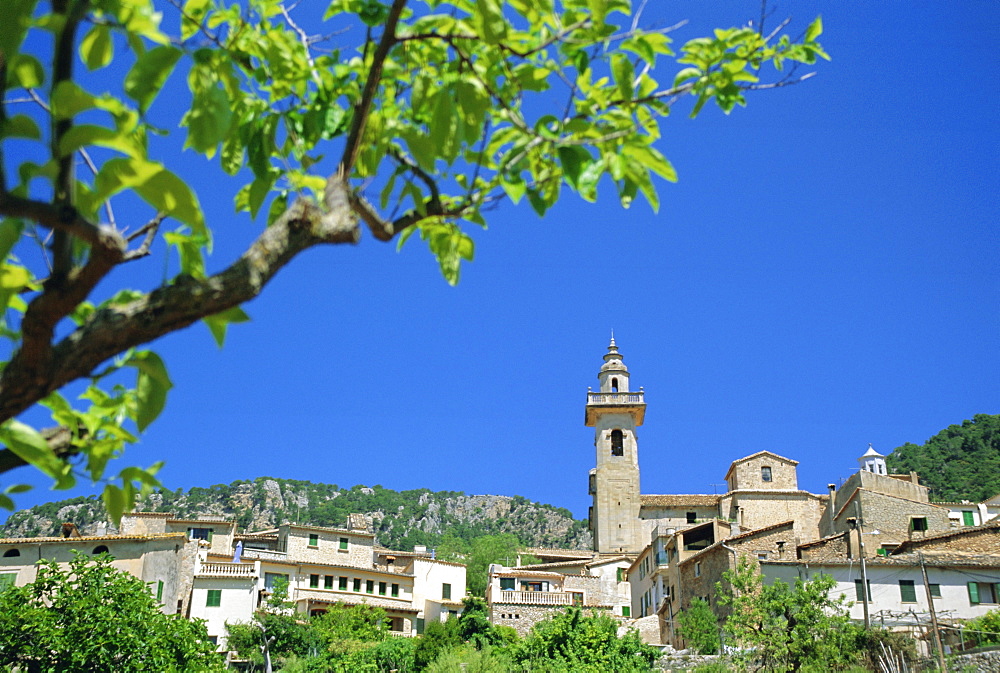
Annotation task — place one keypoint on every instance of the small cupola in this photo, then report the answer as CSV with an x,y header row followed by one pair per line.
x,y
614,374
873,461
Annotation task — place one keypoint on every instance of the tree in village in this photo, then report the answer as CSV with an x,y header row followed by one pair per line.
x,y
90,617
778,628
409,118
699,627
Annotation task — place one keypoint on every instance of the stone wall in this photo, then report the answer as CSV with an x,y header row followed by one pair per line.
x,y
359,552
891,516
830,549
523,617
746,473
765,508
978,662
980,540
879,483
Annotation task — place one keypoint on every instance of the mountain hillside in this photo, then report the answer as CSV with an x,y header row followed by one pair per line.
x,y
962,462
400,519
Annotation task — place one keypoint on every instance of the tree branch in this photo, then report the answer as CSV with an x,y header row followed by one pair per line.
x,y
31,375
60,440
364,106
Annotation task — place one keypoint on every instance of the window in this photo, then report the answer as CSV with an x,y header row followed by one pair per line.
x,y
313,539
420,626
328,582
697,569
765,473
692,517
626,611
762,556
918,523
313,581
576,598
11,553
369,586
100,549
507,583
342,583
343,544
935,590
394,590
983,592
614,384
446,592
617,443
159,590
968,518
620,572
200,534
907,592
214,599
381,588
7,580
357,584
271,579
858,595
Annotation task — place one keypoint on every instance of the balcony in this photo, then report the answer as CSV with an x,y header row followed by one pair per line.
x,y
630,403
247,570
265,554
535,598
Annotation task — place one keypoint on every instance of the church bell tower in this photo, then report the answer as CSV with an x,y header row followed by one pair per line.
x,y
615,412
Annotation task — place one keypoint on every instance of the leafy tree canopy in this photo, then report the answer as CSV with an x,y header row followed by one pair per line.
x,y
438,110
90,617
962,462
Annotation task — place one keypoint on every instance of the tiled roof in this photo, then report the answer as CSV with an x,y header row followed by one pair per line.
x,y
756,531
680,500
528,573
560,553
989,525
932,559
822,540
90,538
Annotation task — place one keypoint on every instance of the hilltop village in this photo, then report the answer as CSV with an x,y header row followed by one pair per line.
x,y
653,554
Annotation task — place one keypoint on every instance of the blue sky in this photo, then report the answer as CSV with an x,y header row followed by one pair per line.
x,y
823,275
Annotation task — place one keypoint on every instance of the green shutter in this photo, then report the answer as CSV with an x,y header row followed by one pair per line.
x,y
381,588
328,582
968,519
343,543
209,538
446,591
313,581
626,611
859,594
420,625
159,590
935,590
620,572
907,591
973,593
214,599
395,590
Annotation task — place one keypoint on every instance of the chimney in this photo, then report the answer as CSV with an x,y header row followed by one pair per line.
x,y
70,530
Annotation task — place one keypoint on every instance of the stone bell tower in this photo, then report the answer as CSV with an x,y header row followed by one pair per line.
x,y
614,413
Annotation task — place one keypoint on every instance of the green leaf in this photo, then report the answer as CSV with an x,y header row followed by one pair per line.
x,y
115,502
192,15
10,233
82,135
814,30
25,71
487,17
444,126
573,159
621,69
373,13
209,120
14,26
152,384
20,126
652,159
219,323
147,76
69,100
18,488
96,48
26,442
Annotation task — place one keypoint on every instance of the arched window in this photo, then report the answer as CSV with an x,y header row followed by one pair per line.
x,y
614,384
617,443
100,549
11,553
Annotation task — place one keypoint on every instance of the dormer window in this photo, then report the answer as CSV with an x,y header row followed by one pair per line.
x,y
765,473
617,443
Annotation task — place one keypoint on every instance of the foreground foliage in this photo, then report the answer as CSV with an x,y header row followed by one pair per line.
x,y
90,617
411,117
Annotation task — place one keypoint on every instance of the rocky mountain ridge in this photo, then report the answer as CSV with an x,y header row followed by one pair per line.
x,y
400,519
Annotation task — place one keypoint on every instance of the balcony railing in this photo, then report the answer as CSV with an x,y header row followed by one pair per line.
x,y
227,570
535,598
615,398
265,554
